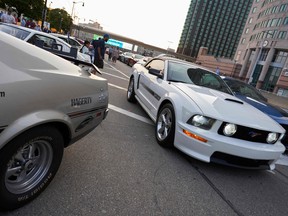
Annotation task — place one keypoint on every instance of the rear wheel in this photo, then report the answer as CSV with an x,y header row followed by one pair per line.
x,y
28,164
130,91
165,126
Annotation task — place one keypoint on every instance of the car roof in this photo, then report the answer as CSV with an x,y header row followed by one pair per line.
x,y
36,32
34,57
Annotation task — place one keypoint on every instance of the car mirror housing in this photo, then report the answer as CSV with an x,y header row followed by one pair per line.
x,y
155,72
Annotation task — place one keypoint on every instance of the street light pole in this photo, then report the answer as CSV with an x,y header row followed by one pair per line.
x,y
44,14
74,5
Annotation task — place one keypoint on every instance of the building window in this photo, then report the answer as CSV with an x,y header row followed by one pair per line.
x,y
263,55
280,57
254,10
243,40
282,34
283,7
251,20
285,22
247,31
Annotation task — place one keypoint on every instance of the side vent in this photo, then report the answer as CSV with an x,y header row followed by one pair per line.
x,y
232,100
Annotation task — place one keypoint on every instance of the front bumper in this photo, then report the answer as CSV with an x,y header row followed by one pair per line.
x,y
227,150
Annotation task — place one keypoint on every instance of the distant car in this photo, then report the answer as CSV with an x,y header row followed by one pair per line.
x,y
46,104
124,56
134,59
69,39
195,111
32,36
254,97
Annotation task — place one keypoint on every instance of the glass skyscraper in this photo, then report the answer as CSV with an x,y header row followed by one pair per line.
x,y
215,24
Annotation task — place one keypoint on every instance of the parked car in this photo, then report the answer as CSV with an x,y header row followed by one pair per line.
x,y
69,39
195,111
124,56
46,104
33,36
134,59
253,96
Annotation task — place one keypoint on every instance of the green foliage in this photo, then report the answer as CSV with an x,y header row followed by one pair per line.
x,y
30,8
59,18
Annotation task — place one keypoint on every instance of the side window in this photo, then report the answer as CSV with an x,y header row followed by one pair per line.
x,y
48,42
156,64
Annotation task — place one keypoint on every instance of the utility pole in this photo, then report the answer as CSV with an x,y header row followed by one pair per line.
x,y
44,14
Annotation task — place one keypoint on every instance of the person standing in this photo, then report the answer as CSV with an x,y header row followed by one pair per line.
x,y
99,47
8,18
115,54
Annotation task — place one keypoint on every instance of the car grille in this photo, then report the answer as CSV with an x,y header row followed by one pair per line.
x,y
284,140
240,162
246,133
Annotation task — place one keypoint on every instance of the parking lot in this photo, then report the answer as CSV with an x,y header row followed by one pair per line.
x,y
119,169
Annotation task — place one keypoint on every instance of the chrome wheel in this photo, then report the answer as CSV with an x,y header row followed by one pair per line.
x,y
28,166
164,124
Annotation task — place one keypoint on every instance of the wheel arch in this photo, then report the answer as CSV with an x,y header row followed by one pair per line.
x,y
30,121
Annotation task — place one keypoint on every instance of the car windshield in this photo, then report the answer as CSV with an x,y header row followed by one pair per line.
x,y
245,89
185,73
16,32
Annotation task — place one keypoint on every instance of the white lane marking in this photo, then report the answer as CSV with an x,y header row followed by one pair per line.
x,y
283,160
130,114
117,70
115,76
110,84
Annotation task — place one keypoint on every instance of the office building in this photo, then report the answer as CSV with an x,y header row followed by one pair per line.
x,y
215,24
263,47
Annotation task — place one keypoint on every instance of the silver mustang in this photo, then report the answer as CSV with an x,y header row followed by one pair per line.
x,y
46,104
195,111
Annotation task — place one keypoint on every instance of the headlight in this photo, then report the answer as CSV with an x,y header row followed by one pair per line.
x,y
201,121
229,129
272,138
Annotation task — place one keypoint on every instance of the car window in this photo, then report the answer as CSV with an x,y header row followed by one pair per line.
x,y
156,64
19,33
244,89
179,72
48,42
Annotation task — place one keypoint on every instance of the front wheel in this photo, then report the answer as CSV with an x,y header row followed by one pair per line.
x,y
165,126
28,164
130,91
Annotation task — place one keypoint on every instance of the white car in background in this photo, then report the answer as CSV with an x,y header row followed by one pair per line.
x,y
46,104
33,36
195,111
69,39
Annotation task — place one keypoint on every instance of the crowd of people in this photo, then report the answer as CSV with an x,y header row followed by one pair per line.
x,y
98,45
12,18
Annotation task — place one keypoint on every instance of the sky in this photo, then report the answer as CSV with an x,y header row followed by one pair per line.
x,y
154,22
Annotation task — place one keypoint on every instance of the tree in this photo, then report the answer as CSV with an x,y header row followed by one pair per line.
x,y
30,8
59,19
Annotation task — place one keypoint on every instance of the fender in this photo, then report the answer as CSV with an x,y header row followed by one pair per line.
x,y
31,120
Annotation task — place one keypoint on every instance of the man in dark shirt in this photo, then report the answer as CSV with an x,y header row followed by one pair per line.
x,y
99,46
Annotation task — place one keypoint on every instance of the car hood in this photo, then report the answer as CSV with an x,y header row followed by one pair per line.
x,y
274,112
228,108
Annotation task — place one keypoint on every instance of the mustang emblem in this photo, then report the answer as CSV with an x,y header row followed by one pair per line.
x,y
254,134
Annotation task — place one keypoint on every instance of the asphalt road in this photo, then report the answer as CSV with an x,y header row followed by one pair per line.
x,y
119,169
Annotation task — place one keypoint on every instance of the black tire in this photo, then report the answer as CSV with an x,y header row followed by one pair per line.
x,y
28,164
165,126
130,91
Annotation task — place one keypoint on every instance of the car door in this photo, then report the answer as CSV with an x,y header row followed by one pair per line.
x,y
148,80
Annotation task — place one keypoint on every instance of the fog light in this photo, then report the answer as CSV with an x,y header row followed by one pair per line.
x,y
229,129
272,138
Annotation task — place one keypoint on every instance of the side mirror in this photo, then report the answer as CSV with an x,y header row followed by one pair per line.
x,y
155,72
